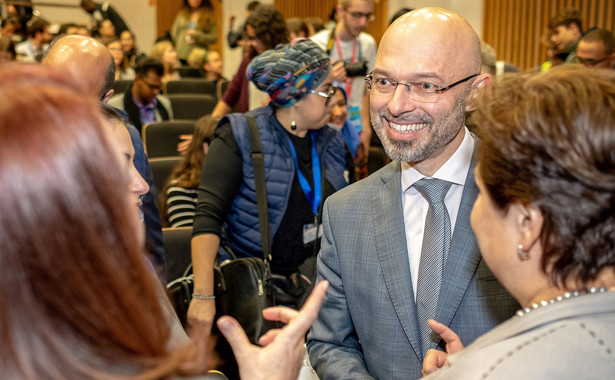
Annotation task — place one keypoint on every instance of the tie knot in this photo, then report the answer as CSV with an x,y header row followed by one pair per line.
x,y
434,190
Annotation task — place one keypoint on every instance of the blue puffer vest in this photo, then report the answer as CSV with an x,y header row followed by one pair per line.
x,y
242,228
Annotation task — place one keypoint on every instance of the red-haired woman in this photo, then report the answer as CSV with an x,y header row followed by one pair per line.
x,y
77,298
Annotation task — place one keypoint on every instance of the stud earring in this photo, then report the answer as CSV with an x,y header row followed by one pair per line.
x,y
523,256
293,125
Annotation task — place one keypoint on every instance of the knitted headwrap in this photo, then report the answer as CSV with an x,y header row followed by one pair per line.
x,y
290,71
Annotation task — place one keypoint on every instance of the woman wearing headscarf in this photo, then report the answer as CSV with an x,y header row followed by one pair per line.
x,y
305,162
545,224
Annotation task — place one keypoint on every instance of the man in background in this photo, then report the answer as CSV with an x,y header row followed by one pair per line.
x,y
104,11
34,47
353,52
236,37
142,100
92,64
566,30
597,49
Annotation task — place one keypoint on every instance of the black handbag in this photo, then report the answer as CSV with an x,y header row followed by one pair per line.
x,y
243,286
179,292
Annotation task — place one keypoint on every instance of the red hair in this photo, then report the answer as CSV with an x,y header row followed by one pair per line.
x,y
77,298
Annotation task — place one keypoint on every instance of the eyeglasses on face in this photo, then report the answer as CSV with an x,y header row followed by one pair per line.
x,y
153,87
591,62
328,94
359,16
423,92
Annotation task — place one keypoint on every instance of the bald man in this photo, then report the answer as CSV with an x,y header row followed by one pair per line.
x,y
597,49
382,261
91,63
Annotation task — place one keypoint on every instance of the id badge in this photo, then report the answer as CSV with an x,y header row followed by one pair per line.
x,y
354,117
310,234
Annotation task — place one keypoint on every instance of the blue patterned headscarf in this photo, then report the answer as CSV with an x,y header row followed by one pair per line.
x,y
290,71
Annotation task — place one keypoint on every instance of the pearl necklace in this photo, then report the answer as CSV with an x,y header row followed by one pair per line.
x,y
562,297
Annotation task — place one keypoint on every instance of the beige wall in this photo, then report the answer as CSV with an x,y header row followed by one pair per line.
x,y
138,14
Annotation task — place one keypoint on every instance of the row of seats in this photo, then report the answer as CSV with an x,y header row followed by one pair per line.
x,y
160,141
181,86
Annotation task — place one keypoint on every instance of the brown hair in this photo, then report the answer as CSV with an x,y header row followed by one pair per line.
x,y
548,140
269,25
206,14
77,299
601,35
187,173
566,17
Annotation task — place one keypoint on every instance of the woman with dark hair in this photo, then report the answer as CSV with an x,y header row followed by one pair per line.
x,y
178,199
194,25
304,161
266,29
78,299
545,226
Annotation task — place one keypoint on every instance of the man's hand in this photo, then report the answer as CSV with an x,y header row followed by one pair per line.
x,y
435,359
283,349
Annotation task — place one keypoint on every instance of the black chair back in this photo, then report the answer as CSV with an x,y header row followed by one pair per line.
x,y
189,72
161,169
191,106
191,86
376,159
120,86
160,139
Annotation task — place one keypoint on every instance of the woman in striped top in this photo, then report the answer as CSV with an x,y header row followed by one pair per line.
x,y
180,192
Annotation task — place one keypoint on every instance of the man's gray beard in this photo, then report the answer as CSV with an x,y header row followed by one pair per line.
x,y
410,151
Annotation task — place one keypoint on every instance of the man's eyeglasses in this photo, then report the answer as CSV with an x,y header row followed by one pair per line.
x,y
423,92
326,94
591,62
153,87
359,16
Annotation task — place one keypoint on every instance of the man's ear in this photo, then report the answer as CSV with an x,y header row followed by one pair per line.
x,y
574,27
481,82
107,96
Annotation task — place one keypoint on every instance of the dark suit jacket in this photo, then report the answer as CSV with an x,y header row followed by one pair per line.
x,y
367,327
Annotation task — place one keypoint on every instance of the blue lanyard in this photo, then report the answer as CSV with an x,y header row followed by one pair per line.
x,y
313,197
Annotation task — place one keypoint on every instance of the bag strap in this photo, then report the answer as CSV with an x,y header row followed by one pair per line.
x,y
261,190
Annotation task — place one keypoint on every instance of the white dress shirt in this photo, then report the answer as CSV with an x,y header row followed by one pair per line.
x,y
454,170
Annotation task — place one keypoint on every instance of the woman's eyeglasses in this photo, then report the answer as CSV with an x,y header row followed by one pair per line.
x,y
326,94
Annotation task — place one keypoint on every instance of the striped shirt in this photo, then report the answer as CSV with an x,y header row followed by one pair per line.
x,y
181,203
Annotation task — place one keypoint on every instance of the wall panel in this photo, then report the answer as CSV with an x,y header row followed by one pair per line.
x,y
514,27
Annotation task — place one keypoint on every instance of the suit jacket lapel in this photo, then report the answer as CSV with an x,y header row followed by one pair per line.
x,y
390,241
464,255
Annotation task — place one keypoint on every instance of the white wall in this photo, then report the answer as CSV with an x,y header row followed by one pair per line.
x,y
138,14
471,10
232,57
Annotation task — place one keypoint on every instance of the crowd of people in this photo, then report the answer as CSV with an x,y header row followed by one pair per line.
x,y
495,235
